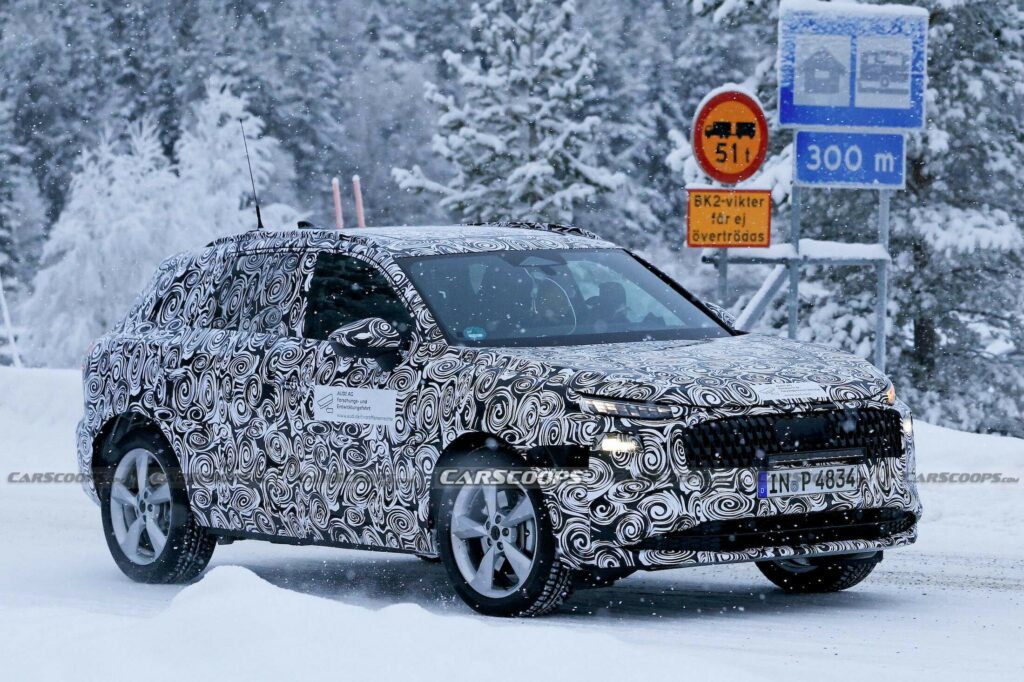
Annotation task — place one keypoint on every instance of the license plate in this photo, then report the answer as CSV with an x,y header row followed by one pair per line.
x,y
794,482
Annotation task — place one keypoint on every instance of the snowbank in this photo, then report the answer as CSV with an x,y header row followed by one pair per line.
x,y
233,625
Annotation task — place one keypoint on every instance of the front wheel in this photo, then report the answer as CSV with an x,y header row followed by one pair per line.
x,y
150,529
497,545
800,575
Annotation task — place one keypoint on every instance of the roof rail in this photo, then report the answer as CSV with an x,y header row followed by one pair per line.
x,y
267,234
546,227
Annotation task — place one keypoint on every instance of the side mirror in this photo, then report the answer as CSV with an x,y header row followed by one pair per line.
x,y
374,334
372,337
727,318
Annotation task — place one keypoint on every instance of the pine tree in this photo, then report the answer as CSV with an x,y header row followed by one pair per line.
x,y
519,135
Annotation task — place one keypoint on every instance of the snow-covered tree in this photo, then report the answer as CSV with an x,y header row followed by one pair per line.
x,y
9,151
212,168
130,207
103,247
519,134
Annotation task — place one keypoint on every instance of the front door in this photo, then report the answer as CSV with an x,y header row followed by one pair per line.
x,y
360,433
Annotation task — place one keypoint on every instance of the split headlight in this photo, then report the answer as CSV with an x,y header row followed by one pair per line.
x,y
626,408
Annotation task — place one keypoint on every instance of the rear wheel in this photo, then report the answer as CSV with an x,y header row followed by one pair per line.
x,y
150,530
819,574
497,545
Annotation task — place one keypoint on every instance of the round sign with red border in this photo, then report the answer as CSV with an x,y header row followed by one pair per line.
x,y
730,136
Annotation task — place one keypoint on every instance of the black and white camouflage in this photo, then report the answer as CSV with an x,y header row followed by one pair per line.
x,y
238,401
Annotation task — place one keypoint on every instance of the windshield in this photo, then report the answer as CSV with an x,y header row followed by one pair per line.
x,y
554,297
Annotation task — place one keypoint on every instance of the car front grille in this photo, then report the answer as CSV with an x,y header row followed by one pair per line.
x,y
752,440
784,530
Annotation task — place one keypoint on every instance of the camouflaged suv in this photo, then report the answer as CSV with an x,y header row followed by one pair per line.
x,y
536,407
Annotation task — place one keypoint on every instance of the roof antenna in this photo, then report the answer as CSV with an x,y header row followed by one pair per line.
x,y
259,218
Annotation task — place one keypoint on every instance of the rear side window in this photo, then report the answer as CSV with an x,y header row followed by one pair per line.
x,y
345,289
261,293
178,295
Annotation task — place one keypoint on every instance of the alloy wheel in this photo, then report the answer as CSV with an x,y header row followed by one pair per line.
x,y
494,538
140,506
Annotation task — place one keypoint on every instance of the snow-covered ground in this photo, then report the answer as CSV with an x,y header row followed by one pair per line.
x,y
947,608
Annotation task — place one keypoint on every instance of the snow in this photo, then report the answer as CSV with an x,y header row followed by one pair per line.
x,y
819,249
813,249
850,8
946,608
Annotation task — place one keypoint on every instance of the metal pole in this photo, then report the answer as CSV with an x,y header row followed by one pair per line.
x,y
723,276
15,358
358,190
882,270
339,219
794,266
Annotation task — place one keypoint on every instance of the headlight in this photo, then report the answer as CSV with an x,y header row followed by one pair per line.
x,y
616,443
890,394
908,425
627,408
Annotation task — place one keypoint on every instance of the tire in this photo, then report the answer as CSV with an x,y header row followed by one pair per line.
x,y
822,574
163,508
525,578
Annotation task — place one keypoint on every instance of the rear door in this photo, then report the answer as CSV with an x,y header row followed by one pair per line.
x,y
262,371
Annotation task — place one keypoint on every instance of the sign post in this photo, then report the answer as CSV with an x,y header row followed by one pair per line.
x,y
852,80
5,317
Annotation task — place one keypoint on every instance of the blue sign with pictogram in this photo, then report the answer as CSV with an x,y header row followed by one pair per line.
x,y
826,158
852,66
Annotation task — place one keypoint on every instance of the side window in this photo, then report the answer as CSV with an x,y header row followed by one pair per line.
x,y
345,289
178,295
260,293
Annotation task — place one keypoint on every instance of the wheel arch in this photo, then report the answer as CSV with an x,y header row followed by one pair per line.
x,y
115,429
464,444
539,456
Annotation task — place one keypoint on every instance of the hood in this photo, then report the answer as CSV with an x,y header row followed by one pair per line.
x,y
750,369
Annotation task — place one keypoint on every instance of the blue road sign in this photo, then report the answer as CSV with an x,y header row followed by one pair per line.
x,y
841,159
858,66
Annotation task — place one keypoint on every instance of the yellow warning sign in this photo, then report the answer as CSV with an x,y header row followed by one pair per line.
x,y
728,218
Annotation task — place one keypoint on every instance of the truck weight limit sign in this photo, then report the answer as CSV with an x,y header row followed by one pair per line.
x,y
730,136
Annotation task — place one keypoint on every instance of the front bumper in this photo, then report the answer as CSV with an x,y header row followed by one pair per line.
x,y
649,510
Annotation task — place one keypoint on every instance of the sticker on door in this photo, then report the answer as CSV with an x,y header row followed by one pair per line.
x,y
354,405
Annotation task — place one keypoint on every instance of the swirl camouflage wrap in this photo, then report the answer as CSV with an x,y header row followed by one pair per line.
x,y
232,353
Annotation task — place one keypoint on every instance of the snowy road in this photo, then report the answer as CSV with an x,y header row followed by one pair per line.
x,y
948,607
